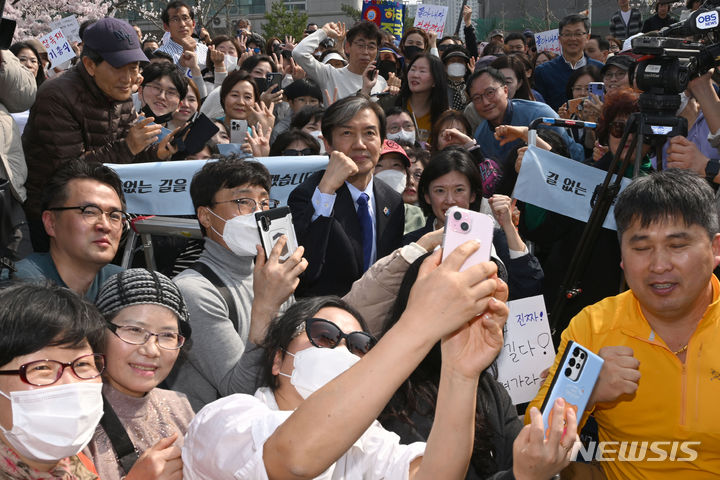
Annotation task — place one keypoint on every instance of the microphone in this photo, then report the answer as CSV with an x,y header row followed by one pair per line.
x,y
701,20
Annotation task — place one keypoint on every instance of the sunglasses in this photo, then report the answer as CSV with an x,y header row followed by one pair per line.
x,y
291,152
325,334
617,129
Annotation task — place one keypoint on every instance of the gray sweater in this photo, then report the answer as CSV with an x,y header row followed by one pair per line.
x,y
216,364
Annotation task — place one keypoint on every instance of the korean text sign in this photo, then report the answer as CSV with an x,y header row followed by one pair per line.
x,y
561,185
527,349
58,48
69,26
388,16
431,18
163,188
548,40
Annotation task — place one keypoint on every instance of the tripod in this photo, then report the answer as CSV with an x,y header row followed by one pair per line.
x,y
650,124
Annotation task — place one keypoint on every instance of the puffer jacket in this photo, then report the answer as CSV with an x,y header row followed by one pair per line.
x,y
73,118
16,95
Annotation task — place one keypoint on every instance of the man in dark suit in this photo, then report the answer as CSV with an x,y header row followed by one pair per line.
x,y
344,217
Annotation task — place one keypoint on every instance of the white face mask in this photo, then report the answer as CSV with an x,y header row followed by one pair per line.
x,y
240,234
456,70
314,367
55,422
402,135
317,134
395,179
231,63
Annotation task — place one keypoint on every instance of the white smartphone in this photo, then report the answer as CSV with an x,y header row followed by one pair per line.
x,y
462,225
238,131
274,223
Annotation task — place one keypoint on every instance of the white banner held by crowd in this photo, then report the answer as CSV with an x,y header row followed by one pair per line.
x,y
561,185
58,48
163,188
69,26
431,18
527,349
548,40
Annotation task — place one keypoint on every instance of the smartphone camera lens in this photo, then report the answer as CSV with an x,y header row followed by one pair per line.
x,y
464,226
582,355
568,372
457,215
571,362
576,352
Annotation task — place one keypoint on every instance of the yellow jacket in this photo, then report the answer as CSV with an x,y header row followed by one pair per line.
x,y
674,402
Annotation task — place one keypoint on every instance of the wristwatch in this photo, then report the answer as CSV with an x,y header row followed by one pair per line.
x,y
712,169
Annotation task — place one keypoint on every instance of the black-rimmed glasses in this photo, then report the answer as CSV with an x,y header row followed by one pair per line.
x,y
135,335
325,334
42,373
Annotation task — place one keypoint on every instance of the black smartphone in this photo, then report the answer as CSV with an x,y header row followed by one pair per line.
x,y
372,73
273,79
196,133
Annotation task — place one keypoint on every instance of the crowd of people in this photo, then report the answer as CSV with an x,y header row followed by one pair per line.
x,y
360,354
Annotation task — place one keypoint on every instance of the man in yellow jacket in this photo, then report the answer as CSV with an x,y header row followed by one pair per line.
x,y
655,401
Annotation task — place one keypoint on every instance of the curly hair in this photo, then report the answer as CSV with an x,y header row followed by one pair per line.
x,y
621,102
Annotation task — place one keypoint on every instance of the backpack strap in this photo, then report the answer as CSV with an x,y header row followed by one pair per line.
x,y
208,273
119,438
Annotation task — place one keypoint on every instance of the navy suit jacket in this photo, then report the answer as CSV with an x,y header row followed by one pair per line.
x,y
333,245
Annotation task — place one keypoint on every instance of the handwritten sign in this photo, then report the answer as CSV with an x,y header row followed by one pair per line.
x,y
388,16
561,185
431,18
163,188
58,48
548,40
69,26
528,349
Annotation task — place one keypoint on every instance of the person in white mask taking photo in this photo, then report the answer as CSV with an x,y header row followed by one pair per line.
x,y
50,386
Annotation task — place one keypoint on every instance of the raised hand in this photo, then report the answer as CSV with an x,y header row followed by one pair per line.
x,y
217,58
329,101
289,43
509,133
262,114
268,97
292,68
369,83
258,142
393,83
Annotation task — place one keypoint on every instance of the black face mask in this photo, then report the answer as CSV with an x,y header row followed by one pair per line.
x,y
158,118
386,67
411,52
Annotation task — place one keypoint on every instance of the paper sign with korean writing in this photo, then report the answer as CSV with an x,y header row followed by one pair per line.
x,y
69,26
548,40
528,349
163,188
561,185
58,48
388,16
431,18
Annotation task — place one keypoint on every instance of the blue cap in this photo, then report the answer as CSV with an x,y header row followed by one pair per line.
x,y
115,41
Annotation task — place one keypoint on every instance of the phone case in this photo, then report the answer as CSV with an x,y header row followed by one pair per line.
x,y
598,88
274,223
462,225
238,130
574,380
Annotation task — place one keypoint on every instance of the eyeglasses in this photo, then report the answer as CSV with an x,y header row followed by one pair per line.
x,y
249,205
617,129
573,34
291,152
615,76
325,334
181,18
370,47
139,336
170,93
489,94
92,214
41,373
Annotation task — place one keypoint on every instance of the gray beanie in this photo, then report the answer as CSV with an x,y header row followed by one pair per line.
x,y
138,286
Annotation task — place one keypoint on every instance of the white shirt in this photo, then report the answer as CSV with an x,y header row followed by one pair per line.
x,y
323,204
174,49
227,437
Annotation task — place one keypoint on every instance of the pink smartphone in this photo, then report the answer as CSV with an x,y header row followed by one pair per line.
x,y
462,225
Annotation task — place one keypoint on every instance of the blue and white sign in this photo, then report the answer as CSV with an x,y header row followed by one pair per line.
x,y
561,185
163,188
548,40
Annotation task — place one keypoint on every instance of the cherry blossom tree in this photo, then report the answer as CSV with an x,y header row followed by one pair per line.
x,y
33,17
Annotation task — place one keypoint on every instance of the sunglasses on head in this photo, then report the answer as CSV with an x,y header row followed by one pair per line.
x,y
617,129
325,334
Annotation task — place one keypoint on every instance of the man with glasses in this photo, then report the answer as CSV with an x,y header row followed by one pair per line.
x,y
361,48
552,77
233,291
83,214
88,113
489,96
179,20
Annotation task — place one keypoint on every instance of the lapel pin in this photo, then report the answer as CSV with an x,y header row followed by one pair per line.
x,y
386,211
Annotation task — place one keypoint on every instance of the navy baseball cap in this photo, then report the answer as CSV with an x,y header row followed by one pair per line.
x,y
115,41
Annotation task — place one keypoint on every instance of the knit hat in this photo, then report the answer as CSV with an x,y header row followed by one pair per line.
x,y
138,286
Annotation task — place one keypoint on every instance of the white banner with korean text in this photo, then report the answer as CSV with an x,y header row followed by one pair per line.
x,y
548,41
163,188
527,349
561,185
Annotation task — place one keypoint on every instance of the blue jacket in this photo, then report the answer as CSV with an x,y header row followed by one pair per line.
x,y
551,79
521,113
